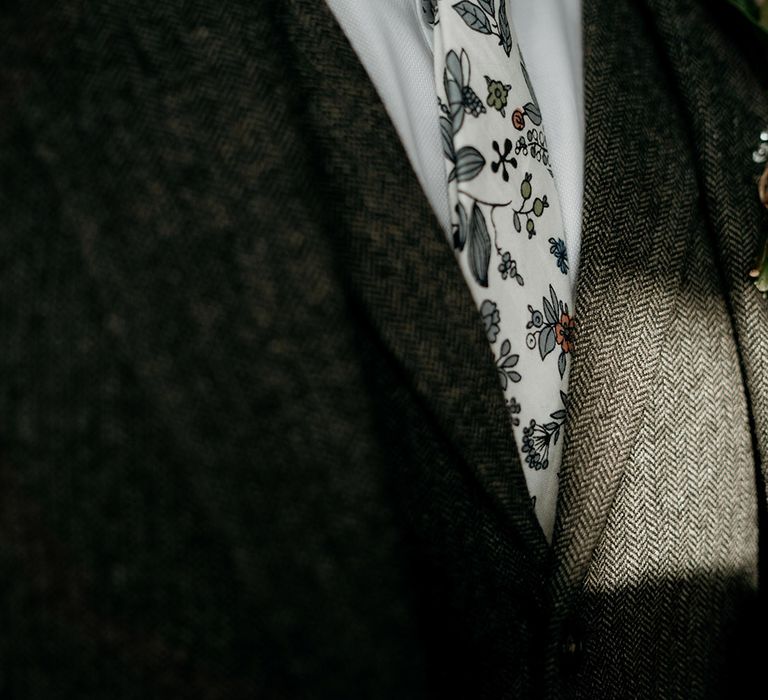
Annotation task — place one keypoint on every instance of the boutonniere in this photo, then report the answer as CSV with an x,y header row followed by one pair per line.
x,y
760,272
756,11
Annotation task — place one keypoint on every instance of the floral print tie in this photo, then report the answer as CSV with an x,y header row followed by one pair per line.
x,y
507,231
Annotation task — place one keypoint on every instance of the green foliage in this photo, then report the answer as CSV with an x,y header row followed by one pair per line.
x,y
757,14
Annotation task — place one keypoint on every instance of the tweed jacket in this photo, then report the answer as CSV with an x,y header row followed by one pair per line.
x,y
252,442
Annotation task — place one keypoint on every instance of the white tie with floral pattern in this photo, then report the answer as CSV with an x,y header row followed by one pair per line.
x,y
507,230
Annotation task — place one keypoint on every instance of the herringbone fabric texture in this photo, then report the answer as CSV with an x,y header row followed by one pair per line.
x,y
679,552
659,502
251,438
684,511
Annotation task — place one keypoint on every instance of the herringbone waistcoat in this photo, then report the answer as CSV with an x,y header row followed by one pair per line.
x,y
252,443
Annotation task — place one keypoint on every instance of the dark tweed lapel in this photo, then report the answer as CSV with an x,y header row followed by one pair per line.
x,y
389,247
637,205
721,70
399,263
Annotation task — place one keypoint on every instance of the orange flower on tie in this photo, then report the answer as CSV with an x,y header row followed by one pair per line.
x,y
565,329
552,328
518,119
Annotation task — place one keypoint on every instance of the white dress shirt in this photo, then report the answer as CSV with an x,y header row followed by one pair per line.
x,y
394,45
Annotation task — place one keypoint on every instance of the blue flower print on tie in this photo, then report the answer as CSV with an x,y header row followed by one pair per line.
x,y
558,249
